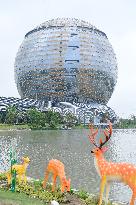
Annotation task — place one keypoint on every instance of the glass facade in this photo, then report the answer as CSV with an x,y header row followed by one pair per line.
x,y
66,60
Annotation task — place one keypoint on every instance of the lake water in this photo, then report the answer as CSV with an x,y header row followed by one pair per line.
x,y
73,148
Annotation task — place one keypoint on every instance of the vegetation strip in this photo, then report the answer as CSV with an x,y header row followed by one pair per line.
x,y
33,193
34,119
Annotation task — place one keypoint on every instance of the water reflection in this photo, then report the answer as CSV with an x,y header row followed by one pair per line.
x,y
73,148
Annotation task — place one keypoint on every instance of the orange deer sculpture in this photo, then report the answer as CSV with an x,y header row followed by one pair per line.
x,y
57,169
109,171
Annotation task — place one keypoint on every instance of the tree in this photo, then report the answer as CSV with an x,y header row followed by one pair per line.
x,y
53,118
22,117
70,119
11,115
36,119
2,117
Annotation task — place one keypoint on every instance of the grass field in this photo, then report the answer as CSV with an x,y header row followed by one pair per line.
x,y
9,198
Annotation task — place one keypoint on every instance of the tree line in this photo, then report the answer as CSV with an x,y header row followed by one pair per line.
x,y
126,123
37,119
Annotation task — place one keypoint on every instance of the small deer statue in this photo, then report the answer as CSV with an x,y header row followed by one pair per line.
x,y
20,170
109,171
57,169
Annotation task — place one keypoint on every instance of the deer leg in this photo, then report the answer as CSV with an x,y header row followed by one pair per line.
x,y
132,202
19,179
102,186
62,185
8,175
107,191
45,179
62,188
25,178
54,182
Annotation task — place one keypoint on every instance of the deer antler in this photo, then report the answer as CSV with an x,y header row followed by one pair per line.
x,y
107,132
94,132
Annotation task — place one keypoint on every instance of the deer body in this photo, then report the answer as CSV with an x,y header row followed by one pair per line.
x,y
109,171
20,170
57,169
117,171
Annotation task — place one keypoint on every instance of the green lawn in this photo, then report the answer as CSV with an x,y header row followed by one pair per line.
x,y
9,198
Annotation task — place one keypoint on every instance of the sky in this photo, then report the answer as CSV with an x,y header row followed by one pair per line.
x,y
117,18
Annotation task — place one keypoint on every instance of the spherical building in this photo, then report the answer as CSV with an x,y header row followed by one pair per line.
x,y
66,60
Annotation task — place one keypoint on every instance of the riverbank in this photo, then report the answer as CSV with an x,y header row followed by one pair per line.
x,y
14,127
33,193
27,127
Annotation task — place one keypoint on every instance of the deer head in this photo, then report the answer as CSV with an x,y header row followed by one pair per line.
x,y
99,149
66,183
26,160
